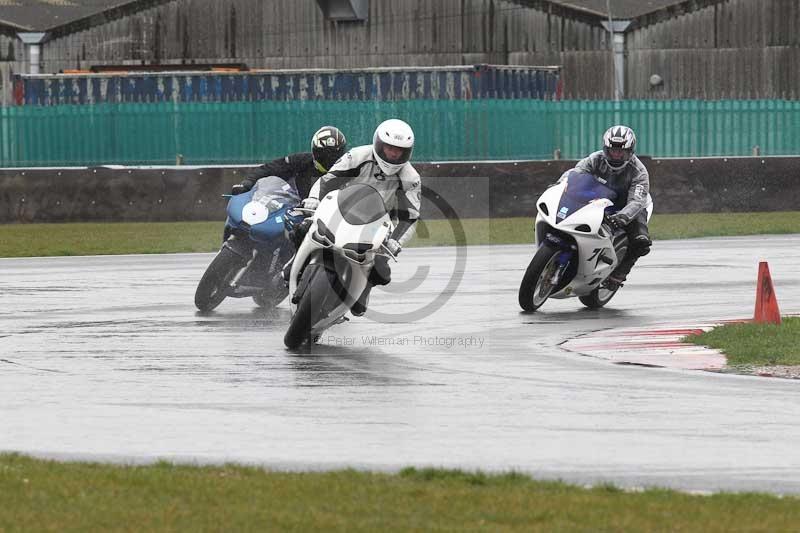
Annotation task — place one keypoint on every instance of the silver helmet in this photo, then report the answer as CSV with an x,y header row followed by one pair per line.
x,y
619,144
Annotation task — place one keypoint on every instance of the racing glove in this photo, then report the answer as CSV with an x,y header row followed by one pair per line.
x,y
619,220
310,203
239,188
393,246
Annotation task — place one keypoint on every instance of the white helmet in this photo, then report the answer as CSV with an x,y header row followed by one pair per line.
x,y
399,138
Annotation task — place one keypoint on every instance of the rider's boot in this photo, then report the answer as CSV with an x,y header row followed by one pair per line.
x,y
360,305
287,270
614,282
640,247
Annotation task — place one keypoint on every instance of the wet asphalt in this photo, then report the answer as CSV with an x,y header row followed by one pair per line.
x,y
106,358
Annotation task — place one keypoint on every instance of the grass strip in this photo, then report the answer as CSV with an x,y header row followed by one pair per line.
x,y
30,240
38,495
749,343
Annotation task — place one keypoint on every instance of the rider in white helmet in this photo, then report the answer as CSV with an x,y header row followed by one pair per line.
x,y
619,168
385,166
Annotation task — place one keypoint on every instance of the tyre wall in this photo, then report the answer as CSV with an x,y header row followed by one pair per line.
x,y
473,190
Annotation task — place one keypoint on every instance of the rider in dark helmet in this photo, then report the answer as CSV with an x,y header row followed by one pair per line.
x,y
301,169
617,165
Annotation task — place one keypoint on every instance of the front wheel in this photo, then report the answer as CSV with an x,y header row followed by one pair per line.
x,y
213,286
537,284
310,309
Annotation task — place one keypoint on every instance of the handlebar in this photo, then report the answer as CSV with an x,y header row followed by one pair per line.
x,y
387,252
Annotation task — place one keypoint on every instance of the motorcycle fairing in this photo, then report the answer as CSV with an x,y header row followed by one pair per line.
x,y
372,233
330,253
583,224
262,210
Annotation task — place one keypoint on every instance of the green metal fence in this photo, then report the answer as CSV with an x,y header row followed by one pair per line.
x,y
247,132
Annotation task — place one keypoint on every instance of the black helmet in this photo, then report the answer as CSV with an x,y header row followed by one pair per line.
x,y
619,143
327,146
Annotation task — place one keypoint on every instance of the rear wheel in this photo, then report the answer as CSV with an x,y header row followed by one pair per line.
x,y
597,298
213,286
537,284
271,297
310,309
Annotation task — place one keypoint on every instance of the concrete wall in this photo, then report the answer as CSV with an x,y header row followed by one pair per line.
x,y
473,190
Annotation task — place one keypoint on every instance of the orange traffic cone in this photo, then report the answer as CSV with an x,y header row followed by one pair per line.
x,y
767,311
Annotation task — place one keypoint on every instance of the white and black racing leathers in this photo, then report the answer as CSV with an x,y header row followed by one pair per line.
x,y
402,192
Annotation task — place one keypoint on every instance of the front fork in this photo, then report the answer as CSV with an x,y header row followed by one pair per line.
x,y
562,262
566,251
235,281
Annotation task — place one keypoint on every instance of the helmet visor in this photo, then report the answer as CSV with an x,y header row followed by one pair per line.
x,y
618,155
394,155
324,158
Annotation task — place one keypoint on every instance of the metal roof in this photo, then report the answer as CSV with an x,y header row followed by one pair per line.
x,y
620,9
41,15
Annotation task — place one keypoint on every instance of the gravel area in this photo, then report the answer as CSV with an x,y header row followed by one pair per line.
x,y
776,371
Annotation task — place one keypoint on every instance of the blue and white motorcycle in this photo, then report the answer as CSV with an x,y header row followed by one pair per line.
x,y
256,247
576,247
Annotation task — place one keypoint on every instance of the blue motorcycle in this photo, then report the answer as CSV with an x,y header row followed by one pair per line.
x,y
255,247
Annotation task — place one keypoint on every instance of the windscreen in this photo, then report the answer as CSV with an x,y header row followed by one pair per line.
x,y
274,190
361,204
580,190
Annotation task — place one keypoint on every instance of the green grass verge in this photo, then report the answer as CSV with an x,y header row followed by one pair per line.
x,y
755,344
38,495
27,240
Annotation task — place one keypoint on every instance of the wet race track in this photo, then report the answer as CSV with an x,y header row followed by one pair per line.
x,y
107,358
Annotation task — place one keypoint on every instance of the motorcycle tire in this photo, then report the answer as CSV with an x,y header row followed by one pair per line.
x,y
597,298
270,298
309,309
213,286
532,294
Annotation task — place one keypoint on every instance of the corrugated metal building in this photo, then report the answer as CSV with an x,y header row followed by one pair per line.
x,y
717,50
672,49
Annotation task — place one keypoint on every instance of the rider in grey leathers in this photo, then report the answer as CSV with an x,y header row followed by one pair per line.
x,y
619,168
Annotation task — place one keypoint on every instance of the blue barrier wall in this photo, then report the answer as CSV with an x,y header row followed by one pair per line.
x,y
433,83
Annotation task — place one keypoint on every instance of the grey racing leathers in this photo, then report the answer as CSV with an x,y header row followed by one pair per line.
x,y
632,185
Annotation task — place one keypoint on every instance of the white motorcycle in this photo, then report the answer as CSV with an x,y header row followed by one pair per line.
x,y
330,270
576,247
